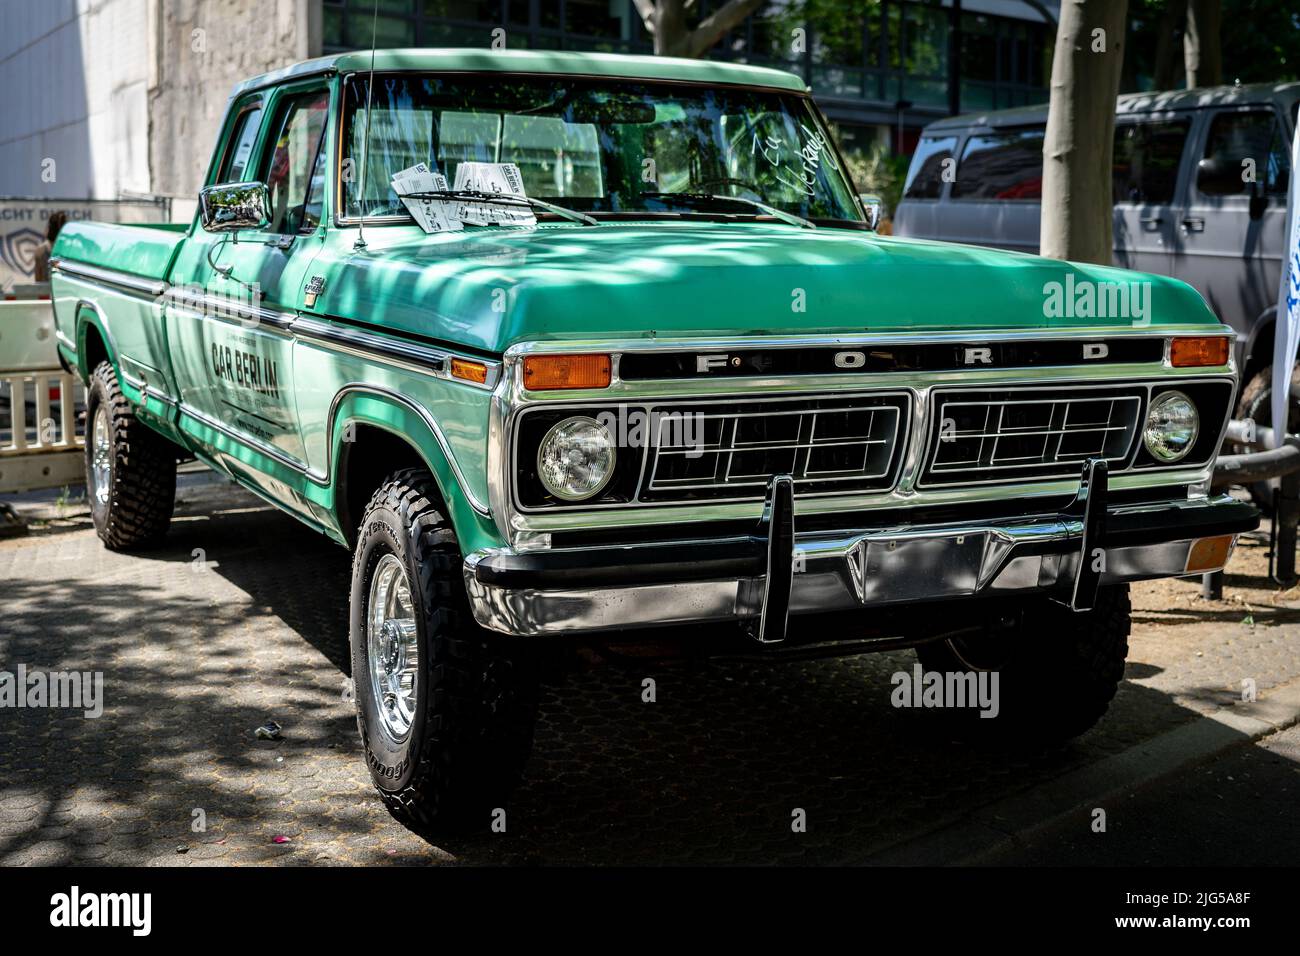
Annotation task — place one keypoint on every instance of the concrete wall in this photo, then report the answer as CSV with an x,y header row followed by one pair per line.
x,y
75,101
206,47
101,99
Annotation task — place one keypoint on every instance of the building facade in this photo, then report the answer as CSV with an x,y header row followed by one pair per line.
x,y
874,65
108,99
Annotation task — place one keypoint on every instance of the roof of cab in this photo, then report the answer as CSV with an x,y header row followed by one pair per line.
x,y
531,61
1283,93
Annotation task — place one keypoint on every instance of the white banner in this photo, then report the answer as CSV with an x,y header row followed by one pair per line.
x,y
1286,337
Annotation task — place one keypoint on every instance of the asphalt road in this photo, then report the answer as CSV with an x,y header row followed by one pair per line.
x,y
240,619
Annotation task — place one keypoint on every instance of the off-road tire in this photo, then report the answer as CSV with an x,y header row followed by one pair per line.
x,y
1256,403
476,697
1057,669
142,470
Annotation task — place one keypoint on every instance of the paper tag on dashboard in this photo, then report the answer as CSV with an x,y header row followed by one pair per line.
x,y
492,178
431,215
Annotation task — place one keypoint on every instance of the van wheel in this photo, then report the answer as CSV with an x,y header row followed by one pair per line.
x,y
130,468
1256,402
1057,669
445,708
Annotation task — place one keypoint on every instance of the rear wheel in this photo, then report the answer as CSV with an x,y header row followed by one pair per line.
x,y
444,707
130,468
1057,669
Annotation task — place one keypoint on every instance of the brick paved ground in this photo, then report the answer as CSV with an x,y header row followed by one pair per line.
x,y
197,653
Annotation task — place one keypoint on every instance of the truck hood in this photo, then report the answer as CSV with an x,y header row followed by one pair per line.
x,y
487,289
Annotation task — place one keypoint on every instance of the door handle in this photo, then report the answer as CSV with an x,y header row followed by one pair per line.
x,y
1151,223
1194,224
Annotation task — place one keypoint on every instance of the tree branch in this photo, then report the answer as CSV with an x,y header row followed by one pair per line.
x,y
713,26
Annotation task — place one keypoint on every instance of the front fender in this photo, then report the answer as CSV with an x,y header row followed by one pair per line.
x,y
393,413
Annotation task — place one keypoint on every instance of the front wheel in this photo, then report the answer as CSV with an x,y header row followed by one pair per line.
x,y
1057,669
444,707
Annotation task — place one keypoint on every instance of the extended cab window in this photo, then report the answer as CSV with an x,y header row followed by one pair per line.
x,y
234,165
925,175
1244,146
1002,165
1147,156
292,162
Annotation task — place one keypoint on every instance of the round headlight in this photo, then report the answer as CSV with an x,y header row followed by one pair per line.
x,y
1172,427
576,458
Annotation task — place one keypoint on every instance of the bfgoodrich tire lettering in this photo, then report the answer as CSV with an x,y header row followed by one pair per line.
x,y
475,698
130,469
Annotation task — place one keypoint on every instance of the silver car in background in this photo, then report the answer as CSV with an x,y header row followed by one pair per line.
x,y
1185,205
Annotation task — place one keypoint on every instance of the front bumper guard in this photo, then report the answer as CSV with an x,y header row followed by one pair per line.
x,y
761,579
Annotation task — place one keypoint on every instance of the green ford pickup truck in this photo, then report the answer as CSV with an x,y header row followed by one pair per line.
x,y
566,345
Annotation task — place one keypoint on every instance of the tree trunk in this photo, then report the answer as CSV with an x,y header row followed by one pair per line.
x,y
1167,46
670,30
666,21
1202,54
1078,149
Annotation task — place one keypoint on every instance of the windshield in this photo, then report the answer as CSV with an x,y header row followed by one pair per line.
x,y
594,145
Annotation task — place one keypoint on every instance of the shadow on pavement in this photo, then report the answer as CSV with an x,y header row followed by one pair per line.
x,y
196,657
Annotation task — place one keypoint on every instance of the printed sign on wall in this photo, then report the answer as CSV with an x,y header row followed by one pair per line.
x,y
23,221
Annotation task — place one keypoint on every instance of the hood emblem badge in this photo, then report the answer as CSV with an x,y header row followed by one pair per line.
x,y
315,286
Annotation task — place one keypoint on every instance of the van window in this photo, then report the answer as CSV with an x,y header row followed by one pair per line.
x,y
1239,142
1006,165
925,175
1147,156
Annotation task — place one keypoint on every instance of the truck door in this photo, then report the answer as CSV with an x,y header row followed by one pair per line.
x,y
1230,231
1147,162
235,355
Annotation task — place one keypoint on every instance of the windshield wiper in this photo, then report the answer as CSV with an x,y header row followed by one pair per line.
x,y
504,199
786,217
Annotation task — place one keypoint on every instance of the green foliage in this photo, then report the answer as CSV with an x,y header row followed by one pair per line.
x,y
1260,41
879,172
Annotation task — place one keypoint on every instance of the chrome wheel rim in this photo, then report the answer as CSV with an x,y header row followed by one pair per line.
x,y
101,455
391,647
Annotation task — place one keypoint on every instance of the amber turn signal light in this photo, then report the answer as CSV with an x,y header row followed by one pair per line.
x,y
1199,351
469,371
566,371
1210,554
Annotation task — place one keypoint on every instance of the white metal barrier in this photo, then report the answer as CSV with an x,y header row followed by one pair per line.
x,y
41,439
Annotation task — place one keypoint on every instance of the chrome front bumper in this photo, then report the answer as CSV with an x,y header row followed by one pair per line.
x,y
1066,556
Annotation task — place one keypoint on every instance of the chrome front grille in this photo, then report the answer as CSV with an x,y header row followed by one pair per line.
x,y
730,452
987,437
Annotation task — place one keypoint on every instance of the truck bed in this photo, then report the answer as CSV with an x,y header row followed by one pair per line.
x,y
141,250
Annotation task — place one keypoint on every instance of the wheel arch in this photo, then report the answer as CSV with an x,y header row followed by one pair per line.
x,y
1259,347
94,344
373,433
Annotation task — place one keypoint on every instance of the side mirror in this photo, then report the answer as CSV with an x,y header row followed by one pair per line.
x,y
874,207
1216,177
230,207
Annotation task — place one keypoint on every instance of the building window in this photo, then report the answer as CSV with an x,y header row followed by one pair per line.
x,y
875,52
